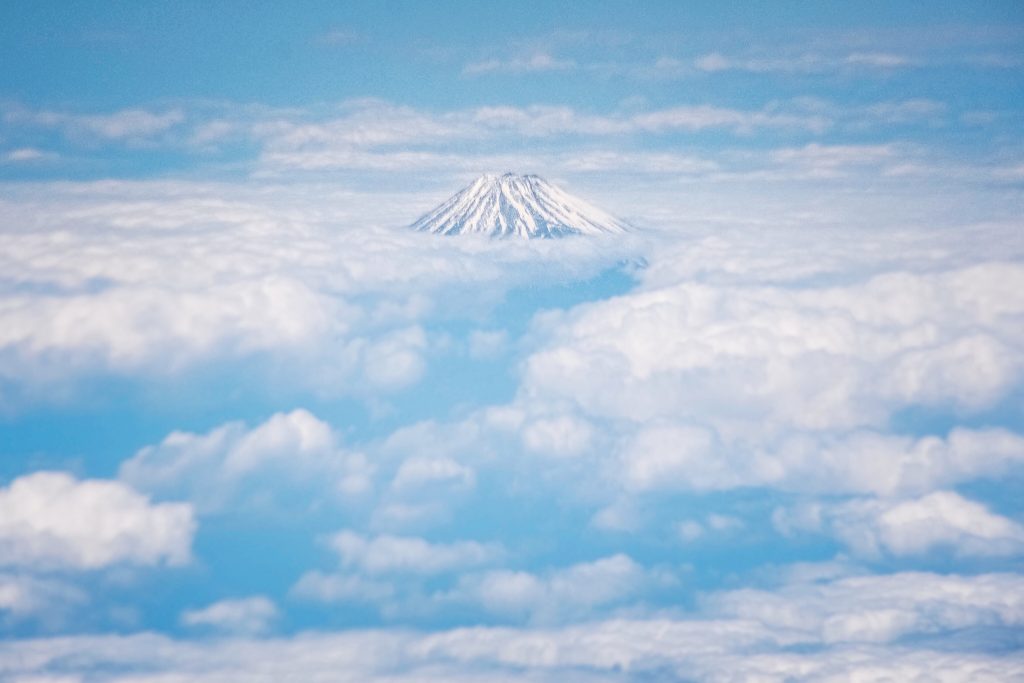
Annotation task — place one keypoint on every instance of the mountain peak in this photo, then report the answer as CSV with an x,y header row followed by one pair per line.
x,y
524,206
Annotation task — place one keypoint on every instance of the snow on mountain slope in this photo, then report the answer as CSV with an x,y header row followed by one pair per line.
x,y
517,205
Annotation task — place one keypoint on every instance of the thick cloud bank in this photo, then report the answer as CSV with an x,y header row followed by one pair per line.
x,y
253,429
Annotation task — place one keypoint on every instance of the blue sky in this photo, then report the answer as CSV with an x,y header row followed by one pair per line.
x,y
253,428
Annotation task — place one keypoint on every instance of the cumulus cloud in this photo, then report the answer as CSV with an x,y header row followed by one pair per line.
x,y
711,381
52,520
678,457
940,520
234,465
132,329
560,593
392,572
560,436
712,376
388,571
833,357
250,616
417,473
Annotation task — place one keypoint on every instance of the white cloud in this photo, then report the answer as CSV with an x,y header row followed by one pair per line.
x,y
388,571
885,464
409,555
148,280
560,593
813,358
663,456
52,520
373,135
881,60
829,160
560,436
879,608
132,328
905,111
940,520
536,62
804,63
283,460
129,123
25,155
247,616
396,361
133,125
323,587
867,627
670,456
23,595
696,118
419,472
691,529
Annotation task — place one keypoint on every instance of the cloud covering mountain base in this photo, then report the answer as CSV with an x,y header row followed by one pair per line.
x,y
255,428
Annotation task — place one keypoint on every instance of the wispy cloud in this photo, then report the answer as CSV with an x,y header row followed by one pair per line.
x,y
536,62
808,62
879,60
128,125
245,616
24,155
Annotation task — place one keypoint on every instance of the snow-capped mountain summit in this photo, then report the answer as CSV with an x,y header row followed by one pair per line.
x,y
517,205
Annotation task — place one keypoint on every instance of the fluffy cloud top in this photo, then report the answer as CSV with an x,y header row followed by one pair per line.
x,y
811,358
233,464
939,520
50,519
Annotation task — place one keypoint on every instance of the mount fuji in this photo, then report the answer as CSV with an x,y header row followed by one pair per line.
x,y
512,205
